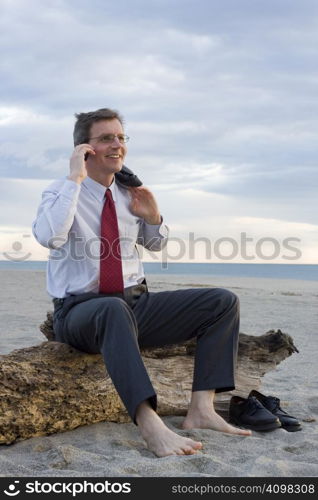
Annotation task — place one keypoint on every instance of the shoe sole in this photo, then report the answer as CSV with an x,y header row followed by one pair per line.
x,y
262,428
292,428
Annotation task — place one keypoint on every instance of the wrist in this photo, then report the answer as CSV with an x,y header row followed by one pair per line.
x,y
155,220
76,179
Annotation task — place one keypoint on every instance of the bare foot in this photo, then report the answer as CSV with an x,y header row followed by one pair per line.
x,y
209,419
161,440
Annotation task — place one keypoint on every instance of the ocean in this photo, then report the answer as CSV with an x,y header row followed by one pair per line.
x,y
305,272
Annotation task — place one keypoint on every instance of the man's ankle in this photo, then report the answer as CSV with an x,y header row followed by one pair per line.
x,y
144,412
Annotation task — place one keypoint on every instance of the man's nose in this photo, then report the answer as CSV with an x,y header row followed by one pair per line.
x,y
116,142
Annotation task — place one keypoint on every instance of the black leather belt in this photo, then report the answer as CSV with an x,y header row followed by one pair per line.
x,y
58,302
131,295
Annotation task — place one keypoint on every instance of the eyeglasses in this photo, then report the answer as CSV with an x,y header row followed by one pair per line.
x,y
109,138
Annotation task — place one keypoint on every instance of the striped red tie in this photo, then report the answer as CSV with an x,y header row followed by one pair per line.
x,y
111,272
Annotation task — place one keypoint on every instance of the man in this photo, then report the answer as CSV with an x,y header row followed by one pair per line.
x,y
101,299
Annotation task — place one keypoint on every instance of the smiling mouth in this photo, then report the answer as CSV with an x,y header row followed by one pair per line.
x,y
116,157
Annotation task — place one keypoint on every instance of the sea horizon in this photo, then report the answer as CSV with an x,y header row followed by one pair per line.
x,y
307,272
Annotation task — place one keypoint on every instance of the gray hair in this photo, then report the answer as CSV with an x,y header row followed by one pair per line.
x,y
84,121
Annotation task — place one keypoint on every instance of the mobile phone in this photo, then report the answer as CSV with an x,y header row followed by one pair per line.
x,y
86,156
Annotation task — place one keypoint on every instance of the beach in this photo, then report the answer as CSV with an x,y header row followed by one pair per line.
x,y
110,449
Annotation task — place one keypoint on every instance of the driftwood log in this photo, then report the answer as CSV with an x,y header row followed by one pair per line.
x,y
52,387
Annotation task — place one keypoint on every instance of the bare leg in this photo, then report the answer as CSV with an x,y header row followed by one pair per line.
x,y
159,438
201,415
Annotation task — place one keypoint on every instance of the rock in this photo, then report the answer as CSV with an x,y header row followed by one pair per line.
x,y
52,387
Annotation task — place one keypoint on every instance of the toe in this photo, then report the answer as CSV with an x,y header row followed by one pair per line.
x,y
197,445
180,451
242,432
188,450
247,433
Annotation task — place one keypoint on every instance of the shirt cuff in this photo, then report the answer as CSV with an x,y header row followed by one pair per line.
x,y
161,228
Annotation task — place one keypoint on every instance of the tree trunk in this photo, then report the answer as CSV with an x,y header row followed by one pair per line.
x,y
53,387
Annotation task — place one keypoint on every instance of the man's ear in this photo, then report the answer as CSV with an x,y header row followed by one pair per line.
x,y
127,178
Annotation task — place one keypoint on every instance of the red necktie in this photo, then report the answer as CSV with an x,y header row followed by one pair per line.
x,y
111,272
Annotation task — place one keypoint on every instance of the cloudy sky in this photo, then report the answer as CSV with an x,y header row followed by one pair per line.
x,y
220,101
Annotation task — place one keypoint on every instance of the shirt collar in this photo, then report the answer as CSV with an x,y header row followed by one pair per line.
x,y
98,190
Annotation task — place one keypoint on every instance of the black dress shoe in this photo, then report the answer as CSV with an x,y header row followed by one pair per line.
x,y
272,404
251,414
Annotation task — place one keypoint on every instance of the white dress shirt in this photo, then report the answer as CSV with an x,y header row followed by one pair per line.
x,y
68,222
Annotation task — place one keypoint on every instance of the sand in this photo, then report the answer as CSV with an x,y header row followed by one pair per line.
x,y
109,449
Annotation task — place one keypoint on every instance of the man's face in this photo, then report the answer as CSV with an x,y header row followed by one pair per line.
x,y
110,155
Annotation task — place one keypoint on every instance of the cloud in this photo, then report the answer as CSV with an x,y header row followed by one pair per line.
x,y
219,100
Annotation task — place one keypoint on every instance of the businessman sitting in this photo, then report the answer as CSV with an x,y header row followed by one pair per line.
x,y
91,220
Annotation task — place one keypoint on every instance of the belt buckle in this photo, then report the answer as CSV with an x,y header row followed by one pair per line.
x,y
132,294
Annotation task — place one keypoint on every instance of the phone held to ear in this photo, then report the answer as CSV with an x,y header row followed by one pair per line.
x,y
86,156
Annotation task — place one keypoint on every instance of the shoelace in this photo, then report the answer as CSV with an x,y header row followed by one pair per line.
x,y
275,403
275,406
254,405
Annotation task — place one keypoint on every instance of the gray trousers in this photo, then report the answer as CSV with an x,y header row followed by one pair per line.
x,y
108,325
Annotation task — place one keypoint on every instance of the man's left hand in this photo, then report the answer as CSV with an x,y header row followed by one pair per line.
x,y
144,205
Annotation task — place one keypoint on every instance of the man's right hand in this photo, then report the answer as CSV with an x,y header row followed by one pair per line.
x,y
78,170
